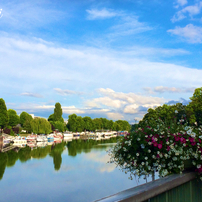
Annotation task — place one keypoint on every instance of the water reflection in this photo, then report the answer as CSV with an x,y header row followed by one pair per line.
x,y
3,162
82,172
56,153
78,146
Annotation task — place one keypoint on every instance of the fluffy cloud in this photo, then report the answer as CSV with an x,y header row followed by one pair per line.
x,y
190,10
115,116
181,2
107,101
132,98
191,33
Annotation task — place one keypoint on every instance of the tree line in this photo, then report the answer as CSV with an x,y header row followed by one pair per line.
x,y
12,123
190,113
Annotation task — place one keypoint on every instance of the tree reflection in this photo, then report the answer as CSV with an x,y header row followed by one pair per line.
x,y
3,162
12,158
56,153
24,154
78,146
40,153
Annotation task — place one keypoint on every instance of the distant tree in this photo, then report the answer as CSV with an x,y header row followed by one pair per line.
x,y
72,123
23,117
3,113
40,126
59,125
13,118
58,112
97,122
88,123
194,108
79,124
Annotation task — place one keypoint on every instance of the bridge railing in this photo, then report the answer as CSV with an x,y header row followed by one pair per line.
x,y
174,188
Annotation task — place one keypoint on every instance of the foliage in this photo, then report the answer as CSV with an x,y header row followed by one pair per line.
x,y
58,112
88,123
24,116
164,148
59,125
3,113
72,124
13,118
194,108
40,126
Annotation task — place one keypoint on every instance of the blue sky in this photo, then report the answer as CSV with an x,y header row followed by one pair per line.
x,y
112,59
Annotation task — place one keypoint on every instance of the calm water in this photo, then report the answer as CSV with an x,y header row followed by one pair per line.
x,y
74,171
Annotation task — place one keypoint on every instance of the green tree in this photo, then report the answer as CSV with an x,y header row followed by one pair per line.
x,y
88,123
58,112
194,108
3,113
40,126
72,123
97,122
23,117
59,125
3,162
13,118
79,124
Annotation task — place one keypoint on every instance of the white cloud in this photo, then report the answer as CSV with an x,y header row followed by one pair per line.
x,y
131,109
190,10
115,116
72,110
132,98
182,2
129,25
107,101
104,13
25,14
191,33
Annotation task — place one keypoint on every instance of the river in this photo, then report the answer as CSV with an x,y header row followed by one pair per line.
x,y
72,171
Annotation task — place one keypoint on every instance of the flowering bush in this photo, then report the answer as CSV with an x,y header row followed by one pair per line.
x,y
164,148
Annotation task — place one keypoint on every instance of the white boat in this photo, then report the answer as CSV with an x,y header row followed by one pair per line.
x,y
31,138
68,135
41,138
20,141
42,144
57,137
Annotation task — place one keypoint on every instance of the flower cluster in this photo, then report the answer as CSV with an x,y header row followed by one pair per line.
x,y
165,149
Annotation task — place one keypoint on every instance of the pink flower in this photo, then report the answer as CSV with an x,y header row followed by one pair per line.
x,y
159,146
168,148
183,140
193,143
177,138
155,144
191,139
157,156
